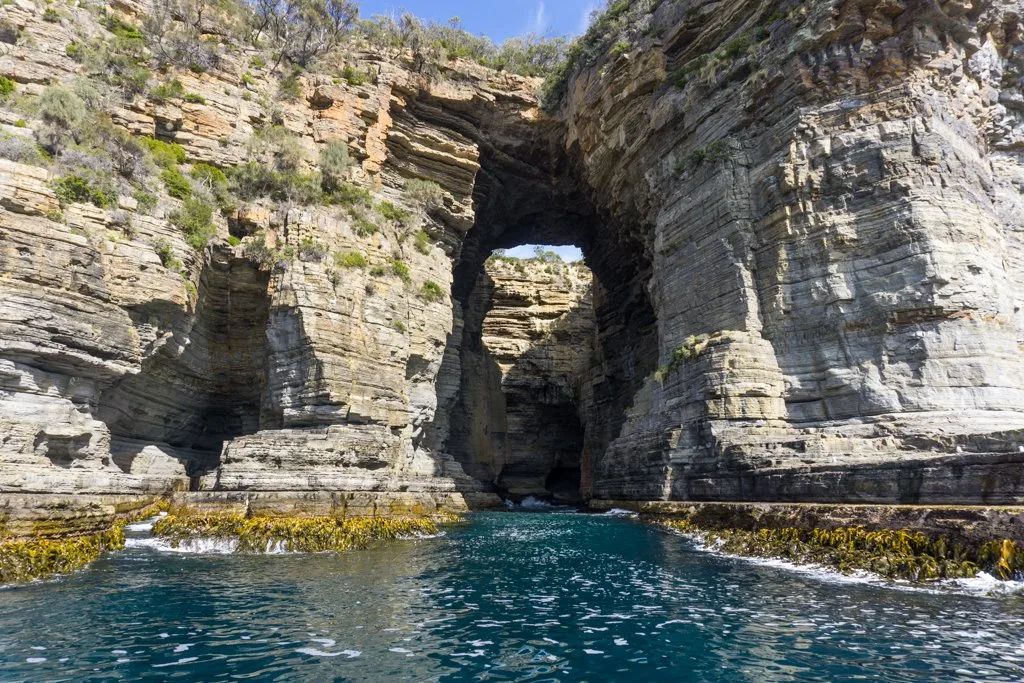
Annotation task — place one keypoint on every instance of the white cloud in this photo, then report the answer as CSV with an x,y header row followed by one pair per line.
x,y
586,17
539,23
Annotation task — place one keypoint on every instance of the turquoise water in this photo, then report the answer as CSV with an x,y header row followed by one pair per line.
x,y
509,597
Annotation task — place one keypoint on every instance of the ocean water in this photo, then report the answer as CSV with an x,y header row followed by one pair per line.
x,y
517,596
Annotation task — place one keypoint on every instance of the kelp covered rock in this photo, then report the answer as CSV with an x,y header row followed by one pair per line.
x,y
305,535
25,560
894,554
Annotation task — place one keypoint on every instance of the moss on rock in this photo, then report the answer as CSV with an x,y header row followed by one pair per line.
x,y
891,553
24,560
310,534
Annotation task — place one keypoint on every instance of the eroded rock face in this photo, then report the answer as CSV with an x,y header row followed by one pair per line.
x,y
839,208
806,257
526,356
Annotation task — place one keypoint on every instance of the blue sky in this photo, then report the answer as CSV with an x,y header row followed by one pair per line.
x,y
567,253
497,20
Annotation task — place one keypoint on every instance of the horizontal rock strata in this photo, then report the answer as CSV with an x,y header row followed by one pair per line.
x,y
803,223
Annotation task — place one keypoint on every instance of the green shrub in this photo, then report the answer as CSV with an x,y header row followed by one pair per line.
x,y
194,98
622,47
362,225
51,15
422,242
355,76
392,212
123,30
208,175
289,88
257,62
253,179
195,218
350,259
63,114
21,123
712,153
171,90
6,88
256,249
735,48
347,194
431,291
334,165
78,188
680,77
176,183
400,270
146,200
165,154
311,250
399,326
234,240
166,254
426,192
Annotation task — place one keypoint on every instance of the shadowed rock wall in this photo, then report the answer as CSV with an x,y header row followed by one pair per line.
x,y
803,222
526,356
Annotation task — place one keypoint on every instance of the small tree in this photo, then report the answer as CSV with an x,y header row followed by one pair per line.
x,y
334,165
301,30
62,112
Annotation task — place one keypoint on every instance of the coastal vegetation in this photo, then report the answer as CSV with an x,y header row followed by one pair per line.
x,y
295,534
896,554
24,560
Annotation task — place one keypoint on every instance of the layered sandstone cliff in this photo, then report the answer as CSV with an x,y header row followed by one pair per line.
x,y
803,222
526,357
831,197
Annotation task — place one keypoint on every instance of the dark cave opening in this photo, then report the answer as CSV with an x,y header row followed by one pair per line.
x,y
206,383
519,427
526,357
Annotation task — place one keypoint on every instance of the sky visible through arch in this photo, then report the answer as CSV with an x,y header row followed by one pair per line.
x,y
568,253
496,20
500,21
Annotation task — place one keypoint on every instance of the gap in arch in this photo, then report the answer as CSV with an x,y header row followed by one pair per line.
x,y
526,357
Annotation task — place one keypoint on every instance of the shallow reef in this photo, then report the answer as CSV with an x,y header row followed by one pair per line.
x,y
24,560
256,534
897,554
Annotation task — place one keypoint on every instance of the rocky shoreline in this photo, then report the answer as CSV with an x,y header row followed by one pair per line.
x,y
913,543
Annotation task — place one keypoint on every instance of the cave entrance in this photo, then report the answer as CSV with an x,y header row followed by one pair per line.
x,y
527,350
205,385
530,187
549,352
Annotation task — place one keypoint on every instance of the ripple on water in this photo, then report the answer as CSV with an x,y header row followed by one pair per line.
x,y
554,596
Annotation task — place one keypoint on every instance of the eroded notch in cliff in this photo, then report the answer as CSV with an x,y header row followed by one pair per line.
x,y
204,381
526,355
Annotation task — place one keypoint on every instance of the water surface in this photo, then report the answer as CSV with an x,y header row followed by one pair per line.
x,y
508,597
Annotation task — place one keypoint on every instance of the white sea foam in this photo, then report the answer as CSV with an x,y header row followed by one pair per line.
x,y
416,536
593,652
619,512
531,503
312,651
326,642
183,660
35,660
183,647
983,583
207,546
